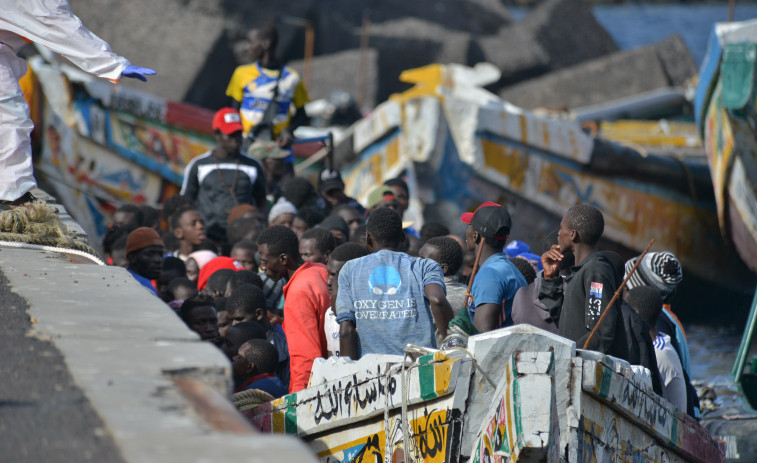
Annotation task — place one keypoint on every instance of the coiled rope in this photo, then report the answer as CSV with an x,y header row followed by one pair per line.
x,y
250,398
37,226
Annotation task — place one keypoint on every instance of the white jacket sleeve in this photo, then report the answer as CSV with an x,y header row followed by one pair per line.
x,y
52,24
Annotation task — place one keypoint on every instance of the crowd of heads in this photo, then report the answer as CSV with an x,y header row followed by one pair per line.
x,y
306,222
229,290
223,288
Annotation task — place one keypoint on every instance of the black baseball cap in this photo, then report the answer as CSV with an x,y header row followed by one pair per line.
x,y
329,180
492,222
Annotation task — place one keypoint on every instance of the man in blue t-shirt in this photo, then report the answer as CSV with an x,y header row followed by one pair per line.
x,y
497,280
388,299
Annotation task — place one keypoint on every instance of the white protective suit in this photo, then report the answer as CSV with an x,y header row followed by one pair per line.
x,y
52,24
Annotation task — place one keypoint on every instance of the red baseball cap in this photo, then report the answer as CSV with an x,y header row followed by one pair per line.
x,y
467,216
227,120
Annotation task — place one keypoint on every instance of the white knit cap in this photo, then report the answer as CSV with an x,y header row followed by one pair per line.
x,y
281,207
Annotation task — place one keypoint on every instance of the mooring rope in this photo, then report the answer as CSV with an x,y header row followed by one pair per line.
x,y
40,247
37,226
250,398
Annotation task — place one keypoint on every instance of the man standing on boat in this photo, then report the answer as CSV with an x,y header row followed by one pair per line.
x,y
306,299
388,299
577,306
498,279
52,24
270,97
224,177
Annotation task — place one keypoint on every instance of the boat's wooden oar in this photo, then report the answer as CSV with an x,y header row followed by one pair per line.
x,y
473,272
616,295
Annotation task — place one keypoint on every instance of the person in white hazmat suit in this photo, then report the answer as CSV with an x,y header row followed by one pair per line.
x,y
52,24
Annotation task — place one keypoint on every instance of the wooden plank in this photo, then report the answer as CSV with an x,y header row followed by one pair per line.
x,y
435,428
384,118
648,411
606,435
522,421
353,399
491,351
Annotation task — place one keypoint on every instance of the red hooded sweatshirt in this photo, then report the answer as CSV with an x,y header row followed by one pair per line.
x,y
306,298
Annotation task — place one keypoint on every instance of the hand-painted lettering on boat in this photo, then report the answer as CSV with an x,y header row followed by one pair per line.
x,y
337,400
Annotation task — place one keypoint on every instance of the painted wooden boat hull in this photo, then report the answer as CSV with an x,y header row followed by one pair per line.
x,y
459,146
730,140
530,396
103,145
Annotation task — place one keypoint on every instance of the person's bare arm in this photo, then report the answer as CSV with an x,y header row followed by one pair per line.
x,y
486,317
440,308
348,340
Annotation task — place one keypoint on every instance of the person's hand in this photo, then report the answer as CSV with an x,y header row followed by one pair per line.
x,y
550,260
136,72
285,138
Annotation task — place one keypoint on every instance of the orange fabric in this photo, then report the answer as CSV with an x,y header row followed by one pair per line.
x,y
306,299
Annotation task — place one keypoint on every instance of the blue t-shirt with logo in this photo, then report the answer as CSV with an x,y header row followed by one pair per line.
x,y
496,282
383,294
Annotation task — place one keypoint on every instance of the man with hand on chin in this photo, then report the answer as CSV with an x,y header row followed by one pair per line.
x,y
577,306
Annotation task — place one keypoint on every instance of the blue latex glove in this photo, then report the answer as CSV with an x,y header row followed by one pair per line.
x,y
136,72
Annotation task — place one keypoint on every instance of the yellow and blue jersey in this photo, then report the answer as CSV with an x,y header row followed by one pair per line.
x,y
253,86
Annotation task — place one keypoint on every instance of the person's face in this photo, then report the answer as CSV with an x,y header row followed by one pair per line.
x,y
310,253
233,341
191,228
564,238
230,143
223,322
274,168
239,317
162,283
429,251
274,266
204,321
193,270
338,236
333,267
353,219
334,196
283,219
256,47
122,218
470,238
402,200
299,227
240,367
148,262
183,293
246,257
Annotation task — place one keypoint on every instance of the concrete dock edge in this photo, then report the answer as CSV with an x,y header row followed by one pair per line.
x,y
124,348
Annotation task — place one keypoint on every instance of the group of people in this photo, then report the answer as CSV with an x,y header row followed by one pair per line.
x,y
277,271
313,273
